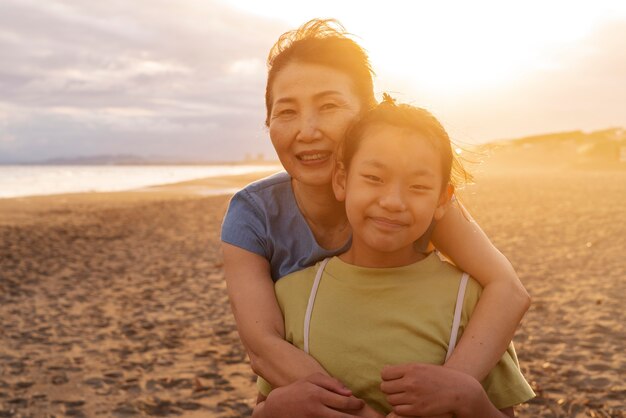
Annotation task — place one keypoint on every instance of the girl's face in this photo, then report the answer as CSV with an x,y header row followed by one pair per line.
x,y
392,191
312,107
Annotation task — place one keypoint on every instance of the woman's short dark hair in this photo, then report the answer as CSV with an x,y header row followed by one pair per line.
x,y
324,42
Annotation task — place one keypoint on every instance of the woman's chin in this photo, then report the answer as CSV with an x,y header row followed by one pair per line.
x,y
312,178
313,175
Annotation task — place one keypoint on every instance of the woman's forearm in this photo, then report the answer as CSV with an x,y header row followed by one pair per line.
x,y
259,411
482,407
503,301
474,402
489,331
279,362
259,320
479,405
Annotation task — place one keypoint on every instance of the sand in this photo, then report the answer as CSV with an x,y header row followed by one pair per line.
x,y
114,304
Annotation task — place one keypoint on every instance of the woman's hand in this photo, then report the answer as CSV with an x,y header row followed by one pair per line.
x,y
314,396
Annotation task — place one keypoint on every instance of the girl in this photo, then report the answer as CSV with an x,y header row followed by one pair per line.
x,y
319,81
383,301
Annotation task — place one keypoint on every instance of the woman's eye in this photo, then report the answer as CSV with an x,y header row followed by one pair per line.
x,y
328,106
284,113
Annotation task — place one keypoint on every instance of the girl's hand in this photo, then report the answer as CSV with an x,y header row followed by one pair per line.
x,y
417,389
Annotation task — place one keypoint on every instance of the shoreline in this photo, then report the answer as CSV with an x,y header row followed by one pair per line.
x,y
32,181
24,210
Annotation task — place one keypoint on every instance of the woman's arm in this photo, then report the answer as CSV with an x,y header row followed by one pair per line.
x,y
502,303
260,321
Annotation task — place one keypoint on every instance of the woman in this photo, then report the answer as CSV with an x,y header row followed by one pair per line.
x,y
319,81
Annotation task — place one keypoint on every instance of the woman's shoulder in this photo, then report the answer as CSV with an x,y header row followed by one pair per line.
x,y
275,182
268,197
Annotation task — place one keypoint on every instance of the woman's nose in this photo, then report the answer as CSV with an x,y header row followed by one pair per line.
x,y
309,128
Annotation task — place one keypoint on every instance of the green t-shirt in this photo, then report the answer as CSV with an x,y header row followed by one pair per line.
x,y
366,318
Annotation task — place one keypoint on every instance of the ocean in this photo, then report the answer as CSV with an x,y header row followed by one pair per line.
x,y
27,180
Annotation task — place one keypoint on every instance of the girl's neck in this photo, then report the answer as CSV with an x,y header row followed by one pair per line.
x,y
323,213
367,257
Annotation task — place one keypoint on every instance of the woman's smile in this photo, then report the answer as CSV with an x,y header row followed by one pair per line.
x,y
314,157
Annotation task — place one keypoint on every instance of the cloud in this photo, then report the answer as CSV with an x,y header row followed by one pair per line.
x,y
186,79
152,76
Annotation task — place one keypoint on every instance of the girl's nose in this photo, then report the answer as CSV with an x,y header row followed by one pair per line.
x,y
393,199
309,129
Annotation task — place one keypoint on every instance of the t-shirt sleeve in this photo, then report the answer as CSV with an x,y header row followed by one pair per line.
x,y
244,225
263,386
505,385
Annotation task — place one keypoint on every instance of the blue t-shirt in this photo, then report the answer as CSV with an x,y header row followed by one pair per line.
x,y
264,218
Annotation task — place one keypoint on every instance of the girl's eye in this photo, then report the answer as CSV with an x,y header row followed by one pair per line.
x,y
420,187
372,177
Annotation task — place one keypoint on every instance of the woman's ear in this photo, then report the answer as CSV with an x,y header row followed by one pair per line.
x,y
445,199
339,181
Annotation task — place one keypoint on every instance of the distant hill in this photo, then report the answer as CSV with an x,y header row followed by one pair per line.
x,y
599,149
130,159
117,159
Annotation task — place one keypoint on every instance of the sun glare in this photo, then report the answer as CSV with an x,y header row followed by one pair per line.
x,y
469,50
454,46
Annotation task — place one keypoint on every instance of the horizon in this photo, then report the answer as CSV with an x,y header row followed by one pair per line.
x,y
618,133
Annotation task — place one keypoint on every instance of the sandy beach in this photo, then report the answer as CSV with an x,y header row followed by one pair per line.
x,y
114,304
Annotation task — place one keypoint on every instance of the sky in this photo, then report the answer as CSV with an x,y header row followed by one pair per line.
x,y
185,79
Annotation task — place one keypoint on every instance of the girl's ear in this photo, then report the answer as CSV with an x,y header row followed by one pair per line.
x,y
339,181
445,199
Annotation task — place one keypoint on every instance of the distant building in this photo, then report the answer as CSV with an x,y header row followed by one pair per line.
x,y
254,158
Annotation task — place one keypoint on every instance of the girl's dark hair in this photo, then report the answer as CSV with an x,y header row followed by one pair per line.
x,y
414,120
324,42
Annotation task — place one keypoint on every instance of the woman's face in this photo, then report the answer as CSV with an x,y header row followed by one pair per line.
x,y
312,107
